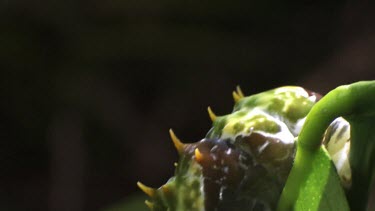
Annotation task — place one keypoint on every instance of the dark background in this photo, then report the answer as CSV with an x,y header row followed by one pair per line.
x,y
89,89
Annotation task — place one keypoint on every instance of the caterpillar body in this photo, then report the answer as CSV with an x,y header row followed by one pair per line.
x,y
245,158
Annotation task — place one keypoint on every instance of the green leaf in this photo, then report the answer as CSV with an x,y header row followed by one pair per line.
x,y
356,103
322,189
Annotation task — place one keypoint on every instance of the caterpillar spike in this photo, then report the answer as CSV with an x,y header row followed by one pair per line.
x,y
239,91
176,141
236,96
149,204
147,190
198,155
212,115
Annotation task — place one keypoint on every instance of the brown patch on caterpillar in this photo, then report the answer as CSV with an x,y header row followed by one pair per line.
x,y
231,171
270,152
223,168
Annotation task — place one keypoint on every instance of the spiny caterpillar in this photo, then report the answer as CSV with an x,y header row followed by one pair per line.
x,y
245,158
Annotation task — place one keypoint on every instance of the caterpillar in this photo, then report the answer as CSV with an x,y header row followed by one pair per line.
x,y
245,158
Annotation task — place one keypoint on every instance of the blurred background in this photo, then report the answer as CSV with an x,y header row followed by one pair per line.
x,y
89,89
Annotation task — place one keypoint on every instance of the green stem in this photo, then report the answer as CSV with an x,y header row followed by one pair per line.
x,y
350,100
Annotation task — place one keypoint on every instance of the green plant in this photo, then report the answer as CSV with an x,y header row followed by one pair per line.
x,y
258,158
306,188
